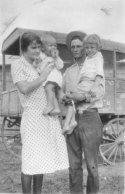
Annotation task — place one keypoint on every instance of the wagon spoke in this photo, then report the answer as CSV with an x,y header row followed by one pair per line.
x,y
117,127
111,154
115,155
113,130
120,154
110,148
103,145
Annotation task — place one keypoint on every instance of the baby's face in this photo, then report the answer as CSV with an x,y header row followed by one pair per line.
x,y
91,49
49,47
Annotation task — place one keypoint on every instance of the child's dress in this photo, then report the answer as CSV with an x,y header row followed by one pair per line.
x,y
55,75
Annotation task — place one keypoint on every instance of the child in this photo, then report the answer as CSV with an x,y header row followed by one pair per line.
x,y
91,82
50,54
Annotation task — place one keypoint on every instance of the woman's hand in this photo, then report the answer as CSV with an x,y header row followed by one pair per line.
x,y
46,71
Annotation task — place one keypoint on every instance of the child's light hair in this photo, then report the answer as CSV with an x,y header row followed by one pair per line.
x,y
93,39
45,38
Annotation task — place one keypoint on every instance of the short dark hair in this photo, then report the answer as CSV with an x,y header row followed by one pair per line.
x,y
27,38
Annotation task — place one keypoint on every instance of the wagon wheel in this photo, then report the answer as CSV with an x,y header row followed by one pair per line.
x,y
11,135
113,148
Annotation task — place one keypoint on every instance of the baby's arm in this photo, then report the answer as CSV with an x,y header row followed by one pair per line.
x,y
59,63
57,60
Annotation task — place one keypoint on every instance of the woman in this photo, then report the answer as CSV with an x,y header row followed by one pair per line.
x,y
43,146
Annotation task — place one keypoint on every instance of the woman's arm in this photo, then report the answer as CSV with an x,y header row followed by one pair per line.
x,y
26,87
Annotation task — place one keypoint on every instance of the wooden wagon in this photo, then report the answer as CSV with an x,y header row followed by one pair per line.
x,y
112,114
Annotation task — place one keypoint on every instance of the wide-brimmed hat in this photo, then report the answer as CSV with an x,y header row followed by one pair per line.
x,y
73,34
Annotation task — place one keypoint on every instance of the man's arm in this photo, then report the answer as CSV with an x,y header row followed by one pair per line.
x,y
79,97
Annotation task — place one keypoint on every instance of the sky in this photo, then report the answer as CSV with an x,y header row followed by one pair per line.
x,y
103,17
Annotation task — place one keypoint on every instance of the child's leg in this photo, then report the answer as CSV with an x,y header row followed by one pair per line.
x,y
73,122
69,115
49,88
70,119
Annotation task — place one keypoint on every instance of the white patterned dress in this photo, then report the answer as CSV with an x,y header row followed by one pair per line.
x,y
43,146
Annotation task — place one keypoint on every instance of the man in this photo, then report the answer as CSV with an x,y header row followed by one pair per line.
x,y
86,137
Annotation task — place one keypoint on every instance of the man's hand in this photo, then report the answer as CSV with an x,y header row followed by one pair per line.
x,y
66,100
93,92
76,96
88,97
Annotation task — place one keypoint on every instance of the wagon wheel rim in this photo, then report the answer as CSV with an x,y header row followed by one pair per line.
x,y
9,146
114,151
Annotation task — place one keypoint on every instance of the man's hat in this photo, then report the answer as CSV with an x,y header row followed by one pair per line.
x,y
73,34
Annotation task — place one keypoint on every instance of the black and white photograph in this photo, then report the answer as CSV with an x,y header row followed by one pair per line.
x,y
62,96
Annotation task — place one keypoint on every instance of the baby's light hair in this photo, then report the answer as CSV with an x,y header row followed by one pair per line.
x,y
47,38
93,39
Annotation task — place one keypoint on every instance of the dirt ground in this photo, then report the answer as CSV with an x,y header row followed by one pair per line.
x,y
111,177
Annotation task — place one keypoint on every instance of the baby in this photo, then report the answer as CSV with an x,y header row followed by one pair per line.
x,y
90,83
50,55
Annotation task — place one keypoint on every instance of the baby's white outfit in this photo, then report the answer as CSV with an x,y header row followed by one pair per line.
x,y
55,75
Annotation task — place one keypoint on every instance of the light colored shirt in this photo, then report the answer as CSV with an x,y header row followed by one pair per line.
x,y
74,73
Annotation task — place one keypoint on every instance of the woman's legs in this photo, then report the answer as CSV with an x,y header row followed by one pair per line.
x,y
37,183
26,183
